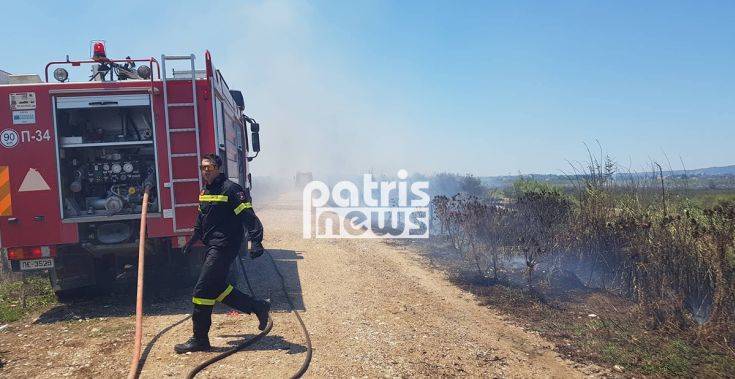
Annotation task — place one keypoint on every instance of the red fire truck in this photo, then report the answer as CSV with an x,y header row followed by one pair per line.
x,y
74,157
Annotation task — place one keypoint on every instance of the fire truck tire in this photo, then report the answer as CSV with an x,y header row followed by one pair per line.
x,y
64,296
74,294
74,271
104,274
194,262
178,269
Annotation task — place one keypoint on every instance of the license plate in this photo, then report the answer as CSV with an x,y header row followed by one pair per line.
x,y
37,264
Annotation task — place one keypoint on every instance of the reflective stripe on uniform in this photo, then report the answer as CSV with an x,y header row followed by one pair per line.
x,y
215,198
242,207
202,301
222,296
224,293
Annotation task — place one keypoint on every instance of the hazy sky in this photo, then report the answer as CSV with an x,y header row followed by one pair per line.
x,y
481,87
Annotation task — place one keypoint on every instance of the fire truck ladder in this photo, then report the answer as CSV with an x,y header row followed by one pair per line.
x,y
169,131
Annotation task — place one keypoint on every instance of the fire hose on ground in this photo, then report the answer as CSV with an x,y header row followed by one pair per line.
x,y
242,345
133,372
135,368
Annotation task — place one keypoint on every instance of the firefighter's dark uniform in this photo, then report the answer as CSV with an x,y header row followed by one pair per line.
x,y
224,207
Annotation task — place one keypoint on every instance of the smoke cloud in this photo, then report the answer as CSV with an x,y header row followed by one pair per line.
x,y
314,114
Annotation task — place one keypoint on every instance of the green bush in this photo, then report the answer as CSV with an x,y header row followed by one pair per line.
x,y
38,291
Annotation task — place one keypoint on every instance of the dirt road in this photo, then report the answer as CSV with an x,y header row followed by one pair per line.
x,y
372,308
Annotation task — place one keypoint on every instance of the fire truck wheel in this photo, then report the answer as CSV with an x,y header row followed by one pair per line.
x,y
74,294
74,272
104,275
194,263
64,296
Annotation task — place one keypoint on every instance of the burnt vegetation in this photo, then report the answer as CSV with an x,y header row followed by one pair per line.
x,y
647,239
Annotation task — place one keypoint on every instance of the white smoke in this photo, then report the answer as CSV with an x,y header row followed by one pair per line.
x,y
314,114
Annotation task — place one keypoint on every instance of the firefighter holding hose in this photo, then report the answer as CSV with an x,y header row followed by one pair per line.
x,y
224,208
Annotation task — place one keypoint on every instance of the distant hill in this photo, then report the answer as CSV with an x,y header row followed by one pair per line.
x,y
709,171
699,172
504,180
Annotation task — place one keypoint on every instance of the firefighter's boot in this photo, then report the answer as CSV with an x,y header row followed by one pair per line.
x,y
262,311
201,321
192,345
256,249
248,304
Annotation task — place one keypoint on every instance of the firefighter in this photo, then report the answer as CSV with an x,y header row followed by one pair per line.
x,y
224,207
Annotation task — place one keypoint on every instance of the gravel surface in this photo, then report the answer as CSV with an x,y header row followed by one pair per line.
x,y
373,309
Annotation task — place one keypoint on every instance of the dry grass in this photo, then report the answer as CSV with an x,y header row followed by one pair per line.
x,y
671,256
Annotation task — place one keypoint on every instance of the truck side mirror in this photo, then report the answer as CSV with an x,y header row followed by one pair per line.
x,y
237,96
255,128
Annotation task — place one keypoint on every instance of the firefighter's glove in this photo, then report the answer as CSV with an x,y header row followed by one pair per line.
x,y
194,238
187,248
